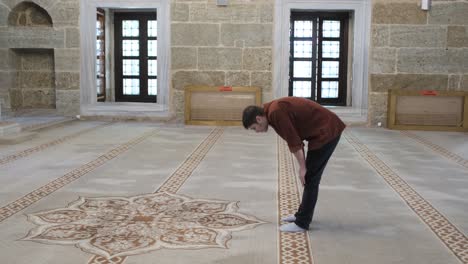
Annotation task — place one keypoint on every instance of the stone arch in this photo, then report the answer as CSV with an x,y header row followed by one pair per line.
x,y
29,14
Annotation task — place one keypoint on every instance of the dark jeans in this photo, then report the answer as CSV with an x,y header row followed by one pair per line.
x,y
315,164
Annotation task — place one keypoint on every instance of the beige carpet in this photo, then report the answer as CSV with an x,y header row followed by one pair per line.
x,y
95,192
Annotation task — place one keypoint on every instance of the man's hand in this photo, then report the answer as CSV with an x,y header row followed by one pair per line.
x,y
302,164
302,173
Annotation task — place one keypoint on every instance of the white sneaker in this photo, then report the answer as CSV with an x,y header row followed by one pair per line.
x,y
289,218
291,227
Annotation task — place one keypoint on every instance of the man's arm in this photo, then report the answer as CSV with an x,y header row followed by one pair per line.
x,y
285,128
287,131
302,164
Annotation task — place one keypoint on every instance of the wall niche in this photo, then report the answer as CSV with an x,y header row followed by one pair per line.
x,y
28,14
34,86
33,69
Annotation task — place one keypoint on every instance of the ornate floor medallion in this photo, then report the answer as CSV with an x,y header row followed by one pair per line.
x,y
45,190
121,226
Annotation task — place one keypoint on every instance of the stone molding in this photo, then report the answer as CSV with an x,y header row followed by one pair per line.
x,y
88,98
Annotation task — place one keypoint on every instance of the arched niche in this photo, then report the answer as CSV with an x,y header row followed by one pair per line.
x,y
29,14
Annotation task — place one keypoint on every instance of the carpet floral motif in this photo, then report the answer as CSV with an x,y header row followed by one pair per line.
x,y
122,226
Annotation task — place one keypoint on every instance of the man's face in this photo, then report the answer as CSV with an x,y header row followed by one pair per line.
x,y
261,125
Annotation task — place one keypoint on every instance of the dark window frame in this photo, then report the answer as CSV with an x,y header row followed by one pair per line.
x,y
143,18
317,59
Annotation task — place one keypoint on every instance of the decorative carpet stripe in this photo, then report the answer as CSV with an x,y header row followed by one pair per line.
x,y
293,247
174,182
181,174
453,238
437,149
29,151
36,195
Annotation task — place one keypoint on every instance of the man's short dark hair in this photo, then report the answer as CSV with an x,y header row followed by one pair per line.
x,y
249,117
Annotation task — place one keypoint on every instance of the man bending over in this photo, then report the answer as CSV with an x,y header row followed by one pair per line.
x,y
297,119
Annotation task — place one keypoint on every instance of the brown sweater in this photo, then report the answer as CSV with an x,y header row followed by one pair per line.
x,y
296,119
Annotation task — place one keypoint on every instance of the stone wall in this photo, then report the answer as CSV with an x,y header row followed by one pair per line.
x,y
232,45
65,16
7,79
29,14
29,72
34,76
27,30
220,45
415,49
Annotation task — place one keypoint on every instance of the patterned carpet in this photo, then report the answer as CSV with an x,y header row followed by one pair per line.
x,y
94,192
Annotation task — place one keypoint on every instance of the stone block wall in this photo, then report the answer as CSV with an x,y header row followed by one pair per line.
x,y
232,45
26,37
35,36
34,84
7,79
65,16
220,45
29,14
416,50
